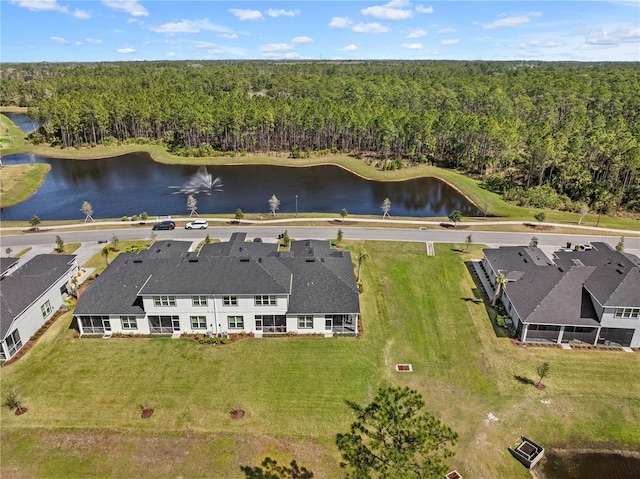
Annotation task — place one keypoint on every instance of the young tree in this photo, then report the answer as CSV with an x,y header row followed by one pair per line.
x,y
362,257
395,437
207,239
87,210
340,235
344,213
584,209
8,251
192,205
144,216
271,470
543,370
386,207
34,222
540,216
115,241
12,399
105,253
274,204
468,243
455,217
534,242
501,284
620,245
286,241
239,214
59,244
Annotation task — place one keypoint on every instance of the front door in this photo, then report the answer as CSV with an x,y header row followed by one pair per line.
x,y
176,323
106,323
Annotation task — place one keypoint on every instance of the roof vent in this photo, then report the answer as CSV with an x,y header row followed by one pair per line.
x,y
621,271
137,260
310,260
168,245
244,260
158,250
259,260
193,260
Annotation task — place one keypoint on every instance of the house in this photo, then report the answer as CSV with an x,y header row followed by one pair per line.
x,y
30,295
228,287
590,296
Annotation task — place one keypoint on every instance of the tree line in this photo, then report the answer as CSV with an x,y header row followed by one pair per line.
x,y
545,134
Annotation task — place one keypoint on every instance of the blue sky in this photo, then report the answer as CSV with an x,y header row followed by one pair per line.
x,y
123,30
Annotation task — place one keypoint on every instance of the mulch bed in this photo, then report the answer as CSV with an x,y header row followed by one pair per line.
x,y
148,412
539,227
236,413
20,411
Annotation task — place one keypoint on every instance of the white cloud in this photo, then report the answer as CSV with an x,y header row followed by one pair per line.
x,y
189,26
244,14
370,28
275,13
231,36
78,43
204,45
615,36
49,6
340,22
95,41
302,40
417,33
390,12
537,44
60,40
132,7
453,41
513,21
126,50
171,54
412,46
422,9
281,55
348,48
276,47
447,30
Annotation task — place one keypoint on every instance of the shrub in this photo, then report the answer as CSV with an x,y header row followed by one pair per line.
x,y
12,399
125,218
543,196
134,218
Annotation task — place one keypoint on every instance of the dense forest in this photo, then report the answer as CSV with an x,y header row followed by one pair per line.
x,y
560,135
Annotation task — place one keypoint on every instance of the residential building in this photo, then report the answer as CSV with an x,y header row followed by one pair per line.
x,y
30,295
228,287
590,297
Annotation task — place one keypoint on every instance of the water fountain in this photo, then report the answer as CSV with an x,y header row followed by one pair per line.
x,y
201,182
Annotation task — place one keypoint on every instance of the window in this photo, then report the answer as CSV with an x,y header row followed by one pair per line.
x,y
94,324
199,300
46,309
13,342
129,322
265,300
627,312
236,322
164,300
198,322
230,300
305,322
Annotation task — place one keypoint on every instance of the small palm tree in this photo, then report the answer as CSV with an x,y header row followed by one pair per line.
x,y
501,285
468,242
105,253
34,221
344,213
362,257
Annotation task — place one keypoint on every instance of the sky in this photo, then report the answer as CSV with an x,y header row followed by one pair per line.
x,y
129,30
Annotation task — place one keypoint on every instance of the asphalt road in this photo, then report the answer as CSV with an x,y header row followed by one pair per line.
x,y
269,233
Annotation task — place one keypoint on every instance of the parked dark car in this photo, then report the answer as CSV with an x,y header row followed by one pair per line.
x,y
164,225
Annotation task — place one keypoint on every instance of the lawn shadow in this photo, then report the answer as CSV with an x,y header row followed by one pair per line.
x,y
523,380
473,300
481,296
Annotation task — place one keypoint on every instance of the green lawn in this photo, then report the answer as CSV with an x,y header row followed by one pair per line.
x,y
84,394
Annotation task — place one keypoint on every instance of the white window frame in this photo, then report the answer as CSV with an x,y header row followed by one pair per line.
x,y
129,322
199,301
198,322
164,300
627,313
13,342
305,322
235,322
46,309
265,300
230,300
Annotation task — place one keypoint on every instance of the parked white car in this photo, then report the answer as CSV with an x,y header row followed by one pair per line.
x,y
197,225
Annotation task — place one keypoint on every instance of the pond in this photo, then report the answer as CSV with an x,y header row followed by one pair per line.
x,y
133,183
22,121
589,465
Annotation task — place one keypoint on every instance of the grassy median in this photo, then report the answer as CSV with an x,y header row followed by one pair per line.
x,y
84,394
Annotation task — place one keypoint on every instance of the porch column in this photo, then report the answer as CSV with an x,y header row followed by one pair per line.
x,y
525,328
560,335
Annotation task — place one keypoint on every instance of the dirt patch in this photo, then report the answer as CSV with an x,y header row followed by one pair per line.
x,y
538,227
343,222
20,411
147,412
236,413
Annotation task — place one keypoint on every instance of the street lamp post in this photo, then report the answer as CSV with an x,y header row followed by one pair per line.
x,y
296,206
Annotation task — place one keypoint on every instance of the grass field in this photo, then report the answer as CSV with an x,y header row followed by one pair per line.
x,y
84,394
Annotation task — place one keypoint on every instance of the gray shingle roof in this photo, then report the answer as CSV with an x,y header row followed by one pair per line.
x,y
27,283
318,278
6,263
